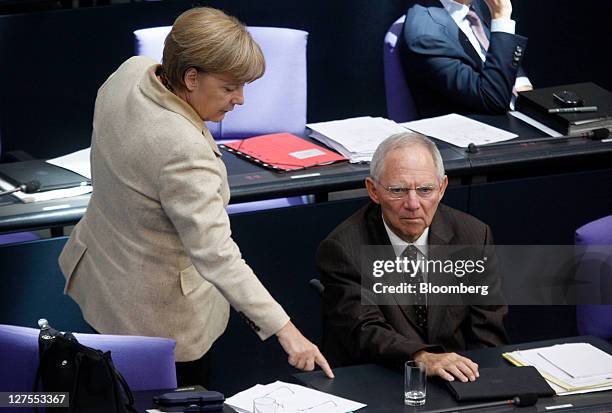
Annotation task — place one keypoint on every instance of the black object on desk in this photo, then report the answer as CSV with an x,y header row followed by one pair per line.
x,y
143,400
190,401
501,383
50,176
537,103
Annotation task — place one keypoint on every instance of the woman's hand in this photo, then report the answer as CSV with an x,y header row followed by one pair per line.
x,y
302,353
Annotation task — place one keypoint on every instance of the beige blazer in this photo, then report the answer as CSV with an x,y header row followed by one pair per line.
x,y
153,254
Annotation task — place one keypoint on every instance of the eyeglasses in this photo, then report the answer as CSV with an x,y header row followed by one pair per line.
x,y
424,191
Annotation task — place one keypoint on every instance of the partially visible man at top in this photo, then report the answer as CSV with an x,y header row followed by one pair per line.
x,y
463,56
406,183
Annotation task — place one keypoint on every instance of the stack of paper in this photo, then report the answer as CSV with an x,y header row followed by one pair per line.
x,y
293,398
459,130
355,138
569,368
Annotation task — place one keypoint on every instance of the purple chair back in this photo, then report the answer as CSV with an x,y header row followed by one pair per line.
x,y
400,105
274,103
17,237
596,320
147,363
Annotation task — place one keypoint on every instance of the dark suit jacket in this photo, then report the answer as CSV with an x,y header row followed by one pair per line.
x,y
445,73
354,333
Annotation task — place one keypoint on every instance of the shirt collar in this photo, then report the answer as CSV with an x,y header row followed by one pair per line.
x,y
399,245
151,86
457,11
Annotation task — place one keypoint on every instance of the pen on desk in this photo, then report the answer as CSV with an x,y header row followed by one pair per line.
x,y
577,109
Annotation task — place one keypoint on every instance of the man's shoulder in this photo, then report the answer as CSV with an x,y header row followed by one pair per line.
x,y
355,227
425,26
459,216
464,226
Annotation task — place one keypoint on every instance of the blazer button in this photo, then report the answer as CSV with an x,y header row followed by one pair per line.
x,y
519,49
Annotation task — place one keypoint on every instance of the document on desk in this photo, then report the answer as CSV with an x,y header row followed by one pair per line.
x,y
355,138
293,398
77,162
459,130
570,368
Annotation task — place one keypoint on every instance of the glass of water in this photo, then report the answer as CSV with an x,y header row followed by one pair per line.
x,y
415,383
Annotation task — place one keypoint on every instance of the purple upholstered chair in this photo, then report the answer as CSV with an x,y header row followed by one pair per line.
x,y
147,363
274,103
17,237
400,105
597,319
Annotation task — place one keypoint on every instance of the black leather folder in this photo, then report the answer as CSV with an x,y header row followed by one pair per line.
x,y
535,104
501,384
50,176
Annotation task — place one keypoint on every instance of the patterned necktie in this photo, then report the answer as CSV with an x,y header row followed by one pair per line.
x,y
478,30
420,304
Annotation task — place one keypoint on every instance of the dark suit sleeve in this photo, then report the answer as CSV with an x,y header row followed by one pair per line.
x,y
357,331
487,321
434,60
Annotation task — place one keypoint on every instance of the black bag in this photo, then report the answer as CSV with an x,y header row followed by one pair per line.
x,y
88,375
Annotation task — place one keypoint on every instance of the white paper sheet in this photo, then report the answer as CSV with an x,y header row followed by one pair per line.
x,y
293,398
579,360
355,138
77,162
555,374
459,130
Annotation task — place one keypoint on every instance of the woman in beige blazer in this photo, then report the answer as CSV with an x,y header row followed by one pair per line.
x,y
153,254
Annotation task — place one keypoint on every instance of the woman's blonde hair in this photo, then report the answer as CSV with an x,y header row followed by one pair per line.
x,y
212,42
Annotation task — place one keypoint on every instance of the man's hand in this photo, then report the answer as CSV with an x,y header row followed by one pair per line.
x,y
448,365
302,353
500,9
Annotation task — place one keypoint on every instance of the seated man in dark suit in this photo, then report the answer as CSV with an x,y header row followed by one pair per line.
x,y
406,185
462,56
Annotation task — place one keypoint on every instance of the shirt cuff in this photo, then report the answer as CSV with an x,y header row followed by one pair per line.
x,y
503,25
522,81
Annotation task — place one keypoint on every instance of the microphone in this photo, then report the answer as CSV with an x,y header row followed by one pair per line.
x,y
27,188
594,135
522,400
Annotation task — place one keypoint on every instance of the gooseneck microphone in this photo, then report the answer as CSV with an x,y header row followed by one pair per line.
x,y
522,400
27,188
594,135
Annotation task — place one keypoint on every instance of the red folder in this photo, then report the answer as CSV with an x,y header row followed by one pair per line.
x,y
283,152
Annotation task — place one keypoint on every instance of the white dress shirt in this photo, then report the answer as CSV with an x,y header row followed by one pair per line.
x,y
399,245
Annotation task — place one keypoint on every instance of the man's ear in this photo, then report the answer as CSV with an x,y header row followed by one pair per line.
x,y
191,79
371,187
443,186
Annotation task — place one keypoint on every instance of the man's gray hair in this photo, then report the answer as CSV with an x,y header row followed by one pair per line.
x,y
401,140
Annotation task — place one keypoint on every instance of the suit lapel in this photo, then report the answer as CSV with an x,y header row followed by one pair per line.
x,y
440,16
378,236
440,237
